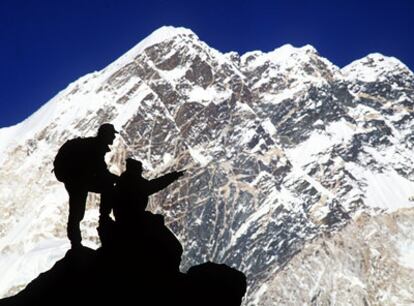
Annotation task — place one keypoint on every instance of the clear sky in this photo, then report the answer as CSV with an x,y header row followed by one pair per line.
x,y
45,45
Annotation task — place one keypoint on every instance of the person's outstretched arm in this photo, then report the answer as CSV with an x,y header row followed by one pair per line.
x,y
160,183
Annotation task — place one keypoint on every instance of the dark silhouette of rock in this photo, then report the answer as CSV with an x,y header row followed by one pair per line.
x,y
63,284
218,284
133,271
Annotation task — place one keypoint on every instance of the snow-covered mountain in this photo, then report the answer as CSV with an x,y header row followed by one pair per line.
x,y
285,155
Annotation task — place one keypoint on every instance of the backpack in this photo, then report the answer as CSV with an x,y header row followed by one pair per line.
x,y
70,159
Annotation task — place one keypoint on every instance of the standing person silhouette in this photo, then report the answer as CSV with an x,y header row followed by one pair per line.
x,y
80,165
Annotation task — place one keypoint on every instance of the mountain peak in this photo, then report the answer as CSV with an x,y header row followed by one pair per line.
x,y
158,36
283,53
164,33
304,62
289,49
289,52
374,66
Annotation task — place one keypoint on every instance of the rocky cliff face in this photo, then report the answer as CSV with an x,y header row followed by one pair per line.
x,y
369,262
280,148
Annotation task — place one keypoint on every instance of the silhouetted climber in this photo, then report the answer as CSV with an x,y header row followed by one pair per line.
x,y
152,240
132,191
80,165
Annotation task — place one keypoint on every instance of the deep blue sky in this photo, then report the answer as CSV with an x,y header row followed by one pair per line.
x,y
45,45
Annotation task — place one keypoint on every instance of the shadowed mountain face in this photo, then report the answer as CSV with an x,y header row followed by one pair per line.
x,y
279,147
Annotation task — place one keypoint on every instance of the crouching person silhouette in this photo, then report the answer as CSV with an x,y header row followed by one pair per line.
x,y
132,191
80,165
154,243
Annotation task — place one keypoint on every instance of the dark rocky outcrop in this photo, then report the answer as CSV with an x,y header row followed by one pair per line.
x,y
138,264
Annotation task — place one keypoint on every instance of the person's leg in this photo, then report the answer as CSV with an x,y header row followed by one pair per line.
x,y
106,224
107,202
105,188
77,204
